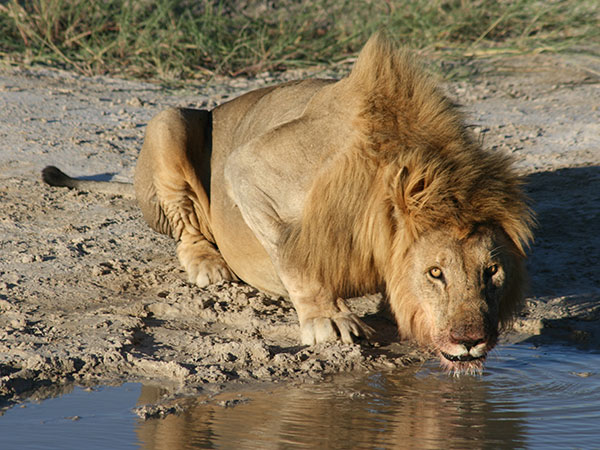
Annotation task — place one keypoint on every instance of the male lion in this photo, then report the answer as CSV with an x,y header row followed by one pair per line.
x,y
318,190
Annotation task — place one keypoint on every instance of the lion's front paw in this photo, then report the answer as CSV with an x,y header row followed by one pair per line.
x,y
342,326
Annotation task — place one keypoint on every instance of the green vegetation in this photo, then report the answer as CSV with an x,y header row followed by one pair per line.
x,y
182,39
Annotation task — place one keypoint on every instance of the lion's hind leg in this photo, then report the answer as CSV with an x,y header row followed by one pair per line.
x,y
172,184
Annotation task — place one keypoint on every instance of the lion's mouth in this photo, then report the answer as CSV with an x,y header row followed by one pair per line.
x,y
465,357
465,363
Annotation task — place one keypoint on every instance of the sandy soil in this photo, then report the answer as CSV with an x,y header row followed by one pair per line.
x,y
89,294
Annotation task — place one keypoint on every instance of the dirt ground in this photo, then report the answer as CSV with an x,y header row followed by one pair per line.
x,y
89,294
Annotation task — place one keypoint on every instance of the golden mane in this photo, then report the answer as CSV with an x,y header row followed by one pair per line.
x,y
411,167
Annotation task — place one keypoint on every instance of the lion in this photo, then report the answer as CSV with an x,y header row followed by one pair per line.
x,y
321,190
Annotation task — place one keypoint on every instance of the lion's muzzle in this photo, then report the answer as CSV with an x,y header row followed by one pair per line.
x,y
466,346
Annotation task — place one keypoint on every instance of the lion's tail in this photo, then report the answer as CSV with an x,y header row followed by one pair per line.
x,y
56,177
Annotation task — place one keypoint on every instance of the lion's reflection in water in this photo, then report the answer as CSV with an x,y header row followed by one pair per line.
x,y
403,410
544,396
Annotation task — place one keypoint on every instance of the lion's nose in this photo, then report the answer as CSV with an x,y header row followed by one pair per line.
x,y
470,344
469,339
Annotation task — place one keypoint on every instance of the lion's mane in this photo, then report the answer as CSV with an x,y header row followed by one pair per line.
x,y
411,167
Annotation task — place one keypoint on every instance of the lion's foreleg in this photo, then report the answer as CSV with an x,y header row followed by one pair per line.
x,y
323,317
268,199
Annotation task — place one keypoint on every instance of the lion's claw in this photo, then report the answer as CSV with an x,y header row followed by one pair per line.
x,y
342,326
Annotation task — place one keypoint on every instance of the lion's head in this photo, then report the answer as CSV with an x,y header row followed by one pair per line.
x,y
454,272
454,292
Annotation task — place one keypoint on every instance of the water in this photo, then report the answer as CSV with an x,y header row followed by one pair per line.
x,y
547,397
100,418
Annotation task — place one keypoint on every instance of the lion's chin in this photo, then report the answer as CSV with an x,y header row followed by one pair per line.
x,y
464,364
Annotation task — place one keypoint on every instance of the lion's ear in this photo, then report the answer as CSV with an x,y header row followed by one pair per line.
x,y
408,187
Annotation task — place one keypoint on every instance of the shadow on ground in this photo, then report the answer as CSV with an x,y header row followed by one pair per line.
x,y
565,257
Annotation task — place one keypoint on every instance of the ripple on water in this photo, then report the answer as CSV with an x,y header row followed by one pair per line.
x,y
556,387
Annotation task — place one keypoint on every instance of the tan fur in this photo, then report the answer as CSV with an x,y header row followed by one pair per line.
x,y
319,190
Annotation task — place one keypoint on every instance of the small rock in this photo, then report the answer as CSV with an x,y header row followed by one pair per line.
x,y
136,102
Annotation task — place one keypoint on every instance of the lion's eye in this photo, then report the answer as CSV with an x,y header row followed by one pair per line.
x,y
491,270
435,272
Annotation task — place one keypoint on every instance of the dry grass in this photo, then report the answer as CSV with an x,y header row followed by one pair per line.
x,y
181,39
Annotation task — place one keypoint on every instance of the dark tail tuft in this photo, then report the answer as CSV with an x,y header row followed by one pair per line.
x,y
56,177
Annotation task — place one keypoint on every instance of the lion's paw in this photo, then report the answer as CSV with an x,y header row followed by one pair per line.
x,y
342,326
204,265
208,271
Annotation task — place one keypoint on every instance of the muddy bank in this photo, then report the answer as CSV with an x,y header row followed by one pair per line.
x,y
88,293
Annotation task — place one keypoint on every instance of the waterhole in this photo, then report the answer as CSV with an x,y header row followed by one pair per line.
x,y
544,397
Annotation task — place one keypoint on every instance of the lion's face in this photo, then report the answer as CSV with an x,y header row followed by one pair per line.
x,y
455,293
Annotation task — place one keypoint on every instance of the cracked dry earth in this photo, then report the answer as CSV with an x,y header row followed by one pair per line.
x,y
89,294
